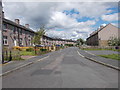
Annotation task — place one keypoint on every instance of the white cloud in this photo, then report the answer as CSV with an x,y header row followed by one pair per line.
x,y
50,14
115,24
111,17
71,28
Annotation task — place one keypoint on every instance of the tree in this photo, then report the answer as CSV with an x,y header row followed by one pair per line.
x,y
38,36
80,41
113,41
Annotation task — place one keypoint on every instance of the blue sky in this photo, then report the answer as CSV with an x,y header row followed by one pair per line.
x,y
69,20
99,22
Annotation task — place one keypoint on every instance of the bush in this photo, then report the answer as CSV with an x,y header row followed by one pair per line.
x,y
43,49
70,45
113,41
29,49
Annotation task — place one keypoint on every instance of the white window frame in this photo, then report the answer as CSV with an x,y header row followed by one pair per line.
x,y
21,41
5,40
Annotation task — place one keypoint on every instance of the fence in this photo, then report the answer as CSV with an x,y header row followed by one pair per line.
x,y
15,53
9,55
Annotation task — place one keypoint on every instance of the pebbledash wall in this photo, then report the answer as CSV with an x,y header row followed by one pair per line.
x,y
101,36
15,34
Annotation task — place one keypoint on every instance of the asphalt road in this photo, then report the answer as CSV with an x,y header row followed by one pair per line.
x,y
63,69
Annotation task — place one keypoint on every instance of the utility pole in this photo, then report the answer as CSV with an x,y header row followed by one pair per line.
x,y
1,42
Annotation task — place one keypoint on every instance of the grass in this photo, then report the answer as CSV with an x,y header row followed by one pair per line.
x,y
27,53
111,56
32,53
98,49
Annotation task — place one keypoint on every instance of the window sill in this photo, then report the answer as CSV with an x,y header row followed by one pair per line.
x,y
6,45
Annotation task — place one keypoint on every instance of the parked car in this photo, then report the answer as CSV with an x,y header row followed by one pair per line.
x,y
39,45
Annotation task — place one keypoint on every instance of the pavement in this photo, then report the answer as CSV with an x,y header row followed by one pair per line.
x,y
60,69
102,52
93,55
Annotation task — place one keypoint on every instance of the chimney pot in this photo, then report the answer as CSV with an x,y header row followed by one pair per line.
x,y
27,25
2,14
17,21
101,26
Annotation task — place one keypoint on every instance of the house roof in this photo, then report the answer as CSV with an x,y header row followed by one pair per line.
x,y
18,25
30,30
95,32
59,39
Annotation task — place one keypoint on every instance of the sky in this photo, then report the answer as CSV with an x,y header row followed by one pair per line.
x,y
66,20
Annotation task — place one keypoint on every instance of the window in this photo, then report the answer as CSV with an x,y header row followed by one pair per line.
x,y
20,31
10,27
29,36
5,40
21,43
4,26
15,29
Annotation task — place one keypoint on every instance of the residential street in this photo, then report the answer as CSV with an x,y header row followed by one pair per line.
x,y
62,69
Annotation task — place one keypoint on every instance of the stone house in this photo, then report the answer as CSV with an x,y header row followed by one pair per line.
x,y
101,36
15,34
49,41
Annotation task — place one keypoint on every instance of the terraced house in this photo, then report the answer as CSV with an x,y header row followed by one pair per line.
x,y
48,41
101,36
15,34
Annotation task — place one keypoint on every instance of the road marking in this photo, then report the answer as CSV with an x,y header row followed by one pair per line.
x,y
114,67
90,53
43,58
6,63
7,72
80,54
105,64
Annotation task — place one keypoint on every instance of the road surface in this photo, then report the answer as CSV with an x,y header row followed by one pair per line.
x,y
63,69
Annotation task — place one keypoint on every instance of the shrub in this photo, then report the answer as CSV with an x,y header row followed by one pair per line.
x,y
43,49
70,45
29,49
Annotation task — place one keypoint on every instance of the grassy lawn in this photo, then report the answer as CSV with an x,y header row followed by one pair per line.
x,y
32,53
111,56
98,49
27,53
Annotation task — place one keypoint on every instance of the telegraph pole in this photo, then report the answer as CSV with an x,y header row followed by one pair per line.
x,y
1,42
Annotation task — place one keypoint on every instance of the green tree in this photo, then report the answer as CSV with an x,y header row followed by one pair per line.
x,y
80,41
38,36
113,41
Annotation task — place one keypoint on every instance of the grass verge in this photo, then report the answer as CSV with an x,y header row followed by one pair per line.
x,y
111,56
98,49
27,53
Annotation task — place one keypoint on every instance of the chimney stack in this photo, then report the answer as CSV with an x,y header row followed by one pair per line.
x,y
101,26
2,14
17,21
27,25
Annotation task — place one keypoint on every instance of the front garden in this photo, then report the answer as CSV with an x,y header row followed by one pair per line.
x,y
17,53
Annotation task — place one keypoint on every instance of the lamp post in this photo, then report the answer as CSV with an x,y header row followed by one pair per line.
x,y
1,41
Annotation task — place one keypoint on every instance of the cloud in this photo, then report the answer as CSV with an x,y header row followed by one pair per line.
x,y
71,28
51,15
111,17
